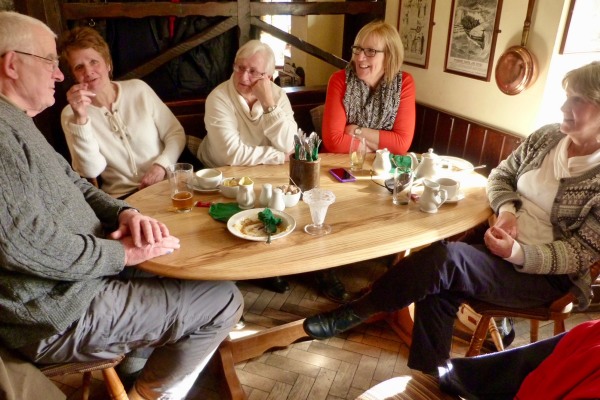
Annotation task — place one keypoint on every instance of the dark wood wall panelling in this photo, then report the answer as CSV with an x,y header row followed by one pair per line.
x,y
452,135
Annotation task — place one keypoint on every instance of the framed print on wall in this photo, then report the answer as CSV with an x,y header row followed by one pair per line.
x,y
415,23
582,31
472,38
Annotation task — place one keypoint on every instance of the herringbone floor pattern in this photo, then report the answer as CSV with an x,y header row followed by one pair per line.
x,y
334,369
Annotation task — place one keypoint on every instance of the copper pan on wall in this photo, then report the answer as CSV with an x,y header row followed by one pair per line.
x,y
516,69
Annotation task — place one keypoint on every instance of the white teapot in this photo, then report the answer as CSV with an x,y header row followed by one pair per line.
x,y
433,197
382,164
429,165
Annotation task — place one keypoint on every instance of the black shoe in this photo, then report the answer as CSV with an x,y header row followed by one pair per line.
x,y
329,324
276,284
507,331
331,287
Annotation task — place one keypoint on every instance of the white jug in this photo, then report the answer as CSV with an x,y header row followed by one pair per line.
x,y
265,195
428,167
382,164
245,196
277,202
433,197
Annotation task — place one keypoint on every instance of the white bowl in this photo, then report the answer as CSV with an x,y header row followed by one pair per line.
x,y
227,189
291,200
208,178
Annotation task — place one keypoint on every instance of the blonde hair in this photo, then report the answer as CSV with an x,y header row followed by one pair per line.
x,y
392,45
82,38
585,81
254,46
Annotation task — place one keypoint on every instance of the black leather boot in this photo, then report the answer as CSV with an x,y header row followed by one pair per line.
x,y
329,324
331,287
276,284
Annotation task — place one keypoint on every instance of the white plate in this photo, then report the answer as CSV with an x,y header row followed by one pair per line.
x,y
458,164
288,224
199,189
458,198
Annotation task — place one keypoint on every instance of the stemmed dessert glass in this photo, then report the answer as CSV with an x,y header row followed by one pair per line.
x,y
318,201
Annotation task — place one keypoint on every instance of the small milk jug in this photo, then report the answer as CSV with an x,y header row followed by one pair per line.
x,y
277,202
265,195
245,195
433,197
382,164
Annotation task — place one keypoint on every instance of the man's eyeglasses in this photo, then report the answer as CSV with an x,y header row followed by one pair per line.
x,y
251,71
54,62
368,52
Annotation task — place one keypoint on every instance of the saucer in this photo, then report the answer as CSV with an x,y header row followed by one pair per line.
x,y
456,199
199,189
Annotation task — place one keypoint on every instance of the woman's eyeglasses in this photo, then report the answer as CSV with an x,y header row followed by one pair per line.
x,y
251,71
368,52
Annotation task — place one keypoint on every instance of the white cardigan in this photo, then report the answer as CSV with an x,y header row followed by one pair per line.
x,y
238,135
122,145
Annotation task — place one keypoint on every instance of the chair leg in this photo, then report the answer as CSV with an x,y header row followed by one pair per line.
x,y
534,328
479,336
85,385
495,335
113,384
559,326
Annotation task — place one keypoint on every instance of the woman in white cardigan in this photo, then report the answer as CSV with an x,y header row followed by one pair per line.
x,y
249,120
120,131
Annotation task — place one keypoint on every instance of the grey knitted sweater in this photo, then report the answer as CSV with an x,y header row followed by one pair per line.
x,y
53,257
575,213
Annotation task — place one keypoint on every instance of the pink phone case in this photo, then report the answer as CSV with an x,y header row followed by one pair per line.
x,y
342,175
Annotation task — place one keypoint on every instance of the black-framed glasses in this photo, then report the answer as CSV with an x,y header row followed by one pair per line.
x,y
368,52
53,62
251,71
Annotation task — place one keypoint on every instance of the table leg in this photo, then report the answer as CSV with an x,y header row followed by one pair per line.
x,y
247,347
402,322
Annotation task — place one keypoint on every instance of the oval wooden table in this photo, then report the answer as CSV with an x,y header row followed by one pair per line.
x,y
365,225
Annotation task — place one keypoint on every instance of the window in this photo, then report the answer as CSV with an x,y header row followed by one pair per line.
x,y
280,48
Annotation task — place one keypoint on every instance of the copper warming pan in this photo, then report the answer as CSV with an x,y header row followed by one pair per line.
x,y
517,67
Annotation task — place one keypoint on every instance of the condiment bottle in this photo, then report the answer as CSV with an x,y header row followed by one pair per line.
x,y
277,202
265,195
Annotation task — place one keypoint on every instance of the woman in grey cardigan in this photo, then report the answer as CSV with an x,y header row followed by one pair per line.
x,y
546,195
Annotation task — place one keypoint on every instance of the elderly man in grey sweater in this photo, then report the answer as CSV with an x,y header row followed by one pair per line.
x,y
63,242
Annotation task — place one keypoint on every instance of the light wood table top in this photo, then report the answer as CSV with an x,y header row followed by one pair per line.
x,y
365,224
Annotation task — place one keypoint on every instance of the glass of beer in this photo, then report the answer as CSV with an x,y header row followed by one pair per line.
x,y
181,179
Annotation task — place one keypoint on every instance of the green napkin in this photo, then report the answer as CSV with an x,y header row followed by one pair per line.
x,y
404,162
223,211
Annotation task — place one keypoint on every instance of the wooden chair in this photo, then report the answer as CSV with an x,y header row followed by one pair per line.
x,y
558,311
113,384
417,386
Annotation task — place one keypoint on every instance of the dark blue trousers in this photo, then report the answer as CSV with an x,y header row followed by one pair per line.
x,y
439,278
495,376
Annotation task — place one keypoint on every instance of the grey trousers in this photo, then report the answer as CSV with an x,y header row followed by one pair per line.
x,y
183,321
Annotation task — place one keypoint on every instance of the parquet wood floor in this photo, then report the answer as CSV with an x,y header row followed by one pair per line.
x,y
338,368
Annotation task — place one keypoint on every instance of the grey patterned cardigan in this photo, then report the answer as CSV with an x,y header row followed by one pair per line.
x,y
53,257
575,213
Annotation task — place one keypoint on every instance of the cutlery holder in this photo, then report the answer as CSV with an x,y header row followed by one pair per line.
x,y
304,174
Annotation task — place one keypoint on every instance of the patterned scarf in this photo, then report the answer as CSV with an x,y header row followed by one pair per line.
x,y
375,110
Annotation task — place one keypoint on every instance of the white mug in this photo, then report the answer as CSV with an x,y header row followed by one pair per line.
x,y
451,186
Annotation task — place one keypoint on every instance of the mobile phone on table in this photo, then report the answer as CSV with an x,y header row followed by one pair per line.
x,y
342,175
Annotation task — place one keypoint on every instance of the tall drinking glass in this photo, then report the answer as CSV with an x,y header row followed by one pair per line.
x,y
318,201
181,179
358,151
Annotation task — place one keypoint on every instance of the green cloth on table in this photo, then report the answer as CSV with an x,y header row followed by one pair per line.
x,y
223,211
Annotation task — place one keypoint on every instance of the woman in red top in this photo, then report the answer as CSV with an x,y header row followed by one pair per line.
x,y
372,97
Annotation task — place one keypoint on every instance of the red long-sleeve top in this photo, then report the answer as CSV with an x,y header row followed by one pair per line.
x,y
397,140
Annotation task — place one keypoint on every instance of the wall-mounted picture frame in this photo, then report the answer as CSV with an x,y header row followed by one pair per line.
x,y
582,31
415,23
472,38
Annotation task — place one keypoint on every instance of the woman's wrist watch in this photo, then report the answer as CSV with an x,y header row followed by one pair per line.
x,y
357,131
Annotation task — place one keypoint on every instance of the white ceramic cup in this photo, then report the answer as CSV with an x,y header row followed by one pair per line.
x,y
208,178
451,186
